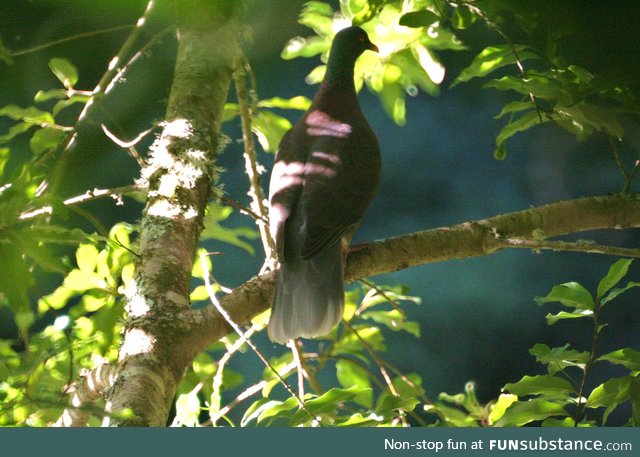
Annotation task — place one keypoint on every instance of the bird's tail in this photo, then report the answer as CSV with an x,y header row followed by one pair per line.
x,y
309,297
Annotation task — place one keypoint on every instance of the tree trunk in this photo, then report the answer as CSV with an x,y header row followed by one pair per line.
x,y
179,173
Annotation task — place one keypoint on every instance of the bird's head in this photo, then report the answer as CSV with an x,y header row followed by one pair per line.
x,y
349,43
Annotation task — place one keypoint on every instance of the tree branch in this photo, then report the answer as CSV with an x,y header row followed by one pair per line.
x,y
179,174
470,239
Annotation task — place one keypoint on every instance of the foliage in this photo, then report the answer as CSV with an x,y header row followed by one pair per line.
x,y
348,382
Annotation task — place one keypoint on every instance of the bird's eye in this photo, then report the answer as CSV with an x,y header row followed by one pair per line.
x,y
361,37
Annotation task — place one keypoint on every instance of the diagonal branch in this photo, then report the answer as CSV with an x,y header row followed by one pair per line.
x,y
470,239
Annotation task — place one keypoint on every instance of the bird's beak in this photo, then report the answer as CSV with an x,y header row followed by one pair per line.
x,y
373,47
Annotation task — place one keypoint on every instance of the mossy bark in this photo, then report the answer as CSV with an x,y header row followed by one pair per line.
x,y
179,175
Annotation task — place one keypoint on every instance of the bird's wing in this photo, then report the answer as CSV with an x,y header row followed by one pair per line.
x,y
285,186
341,177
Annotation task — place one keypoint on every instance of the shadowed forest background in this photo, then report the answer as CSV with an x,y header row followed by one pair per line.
x,y
478,317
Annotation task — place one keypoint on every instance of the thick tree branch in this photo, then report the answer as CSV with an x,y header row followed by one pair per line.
x,y
178,175
470,239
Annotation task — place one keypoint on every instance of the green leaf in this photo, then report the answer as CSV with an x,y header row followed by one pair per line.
x,y
409,390
14,131
326,403
299,103
14,282
349,343
514,107
33,247
462,18
541,86
577,314
30,115
269,128
305,47
52,94
554,422
4,158
188,409
500,406
617,271
635,402
617,291
416,19
238,236
394,320
453,416
570,294
46,139
492,58
317,16
559,358
524,412
62,104
627,357
5,55
273,410
65,71
524,122
610,394
349,374
540,385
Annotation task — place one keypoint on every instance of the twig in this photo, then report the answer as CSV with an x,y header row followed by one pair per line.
x,y
379,291
113,71
238,330
248,392
66,39
475,10
243,209
628,177
116,193
217,379
251,164
590,248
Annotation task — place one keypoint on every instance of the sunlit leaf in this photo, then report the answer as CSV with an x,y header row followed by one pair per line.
x,y
492,58
350,374
304,47
559,358
269,128
65,71
617,271
500,406
417,19
577,314
299,103
327,403
627,357
46,139
52,94
610,394
188,409
524,412
30,114
570,294
540,385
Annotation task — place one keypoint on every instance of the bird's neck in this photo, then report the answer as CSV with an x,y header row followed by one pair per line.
x,y
337,90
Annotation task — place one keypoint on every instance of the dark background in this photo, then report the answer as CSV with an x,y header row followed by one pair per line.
x,y
478,317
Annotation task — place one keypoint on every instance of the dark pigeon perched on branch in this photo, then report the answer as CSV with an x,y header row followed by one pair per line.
x,y
326,173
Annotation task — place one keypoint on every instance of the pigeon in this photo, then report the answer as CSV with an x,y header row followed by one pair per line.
x,y
325,174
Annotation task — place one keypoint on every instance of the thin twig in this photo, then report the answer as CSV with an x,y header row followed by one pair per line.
x,y
223,312
51,183
523,72
628,177
590,248
251,164
378,290
116,193
243,209
66,39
